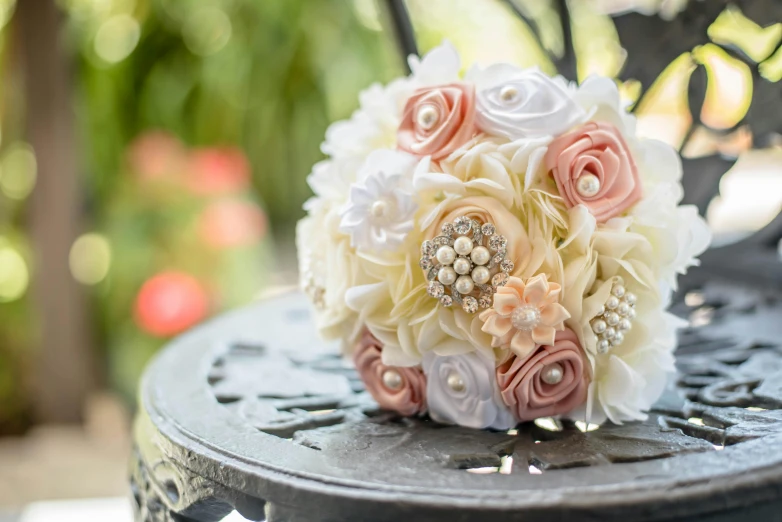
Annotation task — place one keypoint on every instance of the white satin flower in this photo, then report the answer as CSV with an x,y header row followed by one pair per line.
x,y
440,65
462,389
599,97
523,104
380,210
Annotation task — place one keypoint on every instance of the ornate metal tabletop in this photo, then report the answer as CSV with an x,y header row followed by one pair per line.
x,y
253,413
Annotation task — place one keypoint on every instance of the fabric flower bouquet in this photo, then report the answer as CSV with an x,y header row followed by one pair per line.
x,y
498,248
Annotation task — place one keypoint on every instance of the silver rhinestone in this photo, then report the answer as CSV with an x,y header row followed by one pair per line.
x,y
497,243
436,289
487,229
506,265
462,225
392,379
446,300
485,301
470,304
442,241
425,263
612,302
553,373
496,260
447,229
499,279
428,248
599,326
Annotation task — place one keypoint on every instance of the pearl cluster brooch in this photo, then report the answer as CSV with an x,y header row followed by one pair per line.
x,y
466,264
614,318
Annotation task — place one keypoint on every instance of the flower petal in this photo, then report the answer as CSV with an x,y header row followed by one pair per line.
x,y
553,315
536,289
522,343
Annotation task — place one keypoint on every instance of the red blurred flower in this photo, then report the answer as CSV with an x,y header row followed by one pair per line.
x,y
169,303
218,170
232,223
156,155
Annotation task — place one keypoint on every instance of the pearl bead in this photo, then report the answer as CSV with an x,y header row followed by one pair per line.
x,y
623,308
612,302
618,290
599,326
603,345
602,310
610,332
446,275
463,245
624,325
612,318
588,185
464,284
379,208
481,275
462,265
455,382
445,255
392,379
631,313
427,116
630,298
553,373
508,94
618,339
480,255
525,317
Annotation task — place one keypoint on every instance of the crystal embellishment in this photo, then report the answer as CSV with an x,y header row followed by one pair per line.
x,y
615,318
450,269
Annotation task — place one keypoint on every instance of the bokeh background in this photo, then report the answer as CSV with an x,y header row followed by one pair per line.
x,y
153,156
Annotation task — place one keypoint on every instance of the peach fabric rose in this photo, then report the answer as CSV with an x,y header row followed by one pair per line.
x,y
407,396
523,385
525,315
437,120
593,166
489,210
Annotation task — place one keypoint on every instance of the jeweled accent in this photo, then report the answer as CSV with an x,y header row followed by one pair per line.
x,y
588,185
466,263
552,374
427,116
455,382
614,319
525,317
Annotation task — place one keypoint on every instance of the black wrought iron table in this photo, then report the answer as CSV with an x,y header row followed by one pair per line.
x,y
242,414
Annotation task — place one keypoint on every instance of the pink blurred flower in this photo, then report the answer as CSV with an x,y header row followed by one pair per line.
x,y
156,155
169,303
218,171
232,223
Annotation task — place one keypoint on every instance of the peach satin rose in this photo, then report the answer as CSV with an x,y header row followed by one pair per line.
x,y
398,389
528,385
593,166
437,120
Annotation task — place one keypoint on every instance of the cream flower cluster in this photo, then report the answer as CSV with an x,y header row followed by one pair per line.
x,y
497,247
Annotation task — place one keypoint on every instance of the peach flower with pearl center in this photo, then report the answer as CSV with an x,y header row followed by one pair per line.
x,y
525,315
594,167
438,120
398,389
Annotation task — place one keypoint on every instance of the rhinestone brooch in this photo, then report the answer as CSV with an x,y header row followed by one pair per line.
x,y
466,264
615,318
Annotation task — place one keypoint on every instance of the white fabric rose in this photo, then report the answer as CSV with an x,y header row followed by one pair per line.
x,y
523,104
462,389
381,207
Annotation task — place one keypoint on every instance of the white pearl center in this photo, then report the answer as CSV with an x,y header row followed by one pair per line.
x,y
462,266
588,185
427,116
463,245
392,379
508,94
525,317
455,382
553,373
379,208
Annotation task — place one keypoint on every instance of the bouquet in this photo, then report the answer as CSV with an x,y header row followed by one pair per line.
x,y
498,247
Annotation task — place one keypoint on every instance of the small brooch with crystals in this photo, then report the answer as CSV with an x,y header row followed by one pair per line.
x,y
466,263
615,317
